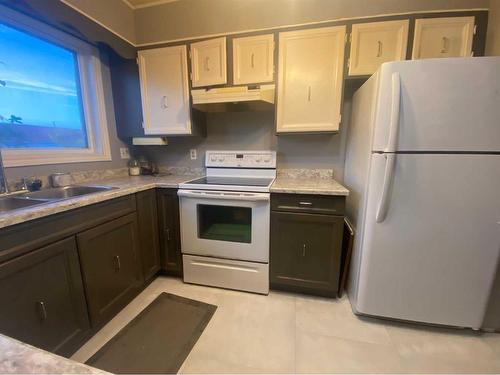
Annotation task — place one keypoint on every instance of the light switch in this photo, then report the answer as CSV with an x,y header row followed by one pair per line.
x,y
192,153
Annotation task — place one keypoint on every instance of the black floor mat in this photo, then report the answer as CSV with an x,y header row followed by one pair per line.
x,y
158,340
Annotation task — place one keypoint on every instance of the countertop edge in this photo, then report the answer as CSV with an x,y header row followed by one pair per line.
x,y
340,193
127,186
13,360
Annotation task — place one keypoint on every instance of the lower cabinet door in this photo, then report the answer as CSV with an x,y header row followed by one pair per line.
x,y
110,266
305,252
168,215
43,302
147,216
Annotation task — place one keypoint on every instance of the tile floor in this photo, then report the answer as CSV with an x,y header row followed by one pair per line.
x,y
286,333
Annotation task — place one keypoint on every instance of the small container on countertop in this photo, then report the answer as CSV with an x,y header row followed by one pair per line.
x,y
134,168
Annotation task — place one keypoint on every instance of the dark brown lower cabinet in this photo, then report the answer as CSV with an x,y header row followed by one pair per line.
x,y
43,302
305,252
109,256
149,241
170,244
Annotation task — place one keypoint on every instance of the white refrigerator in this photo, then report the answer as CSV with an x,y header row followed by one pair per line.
x,y
423,168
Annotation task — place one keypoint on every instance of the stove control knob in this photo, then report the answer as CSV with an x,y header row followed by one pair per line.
x,y
258,159
267,160
213,158
221,158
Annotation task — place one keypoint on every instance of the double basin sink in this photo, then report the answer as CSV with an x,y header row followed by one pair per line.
x,y
23,200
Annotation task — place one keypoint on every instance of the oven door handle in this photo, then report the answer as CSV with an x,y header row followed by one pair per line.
x,y
247,197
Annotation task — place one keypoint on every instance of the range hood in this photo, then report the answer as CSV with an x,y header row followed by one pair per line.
x,y
231,99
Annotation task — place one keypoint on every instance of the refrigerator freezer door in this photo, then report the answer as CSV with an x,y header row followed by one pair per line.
x,y
445,105
432,258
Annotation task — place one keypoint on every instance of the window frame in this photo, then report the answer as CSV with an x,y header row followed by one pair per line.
x,y
92,99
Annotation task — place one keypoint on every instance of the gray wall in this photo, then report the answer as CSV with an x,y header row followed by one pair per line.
x,y
193,18
15,173
254,131
493,37
114,14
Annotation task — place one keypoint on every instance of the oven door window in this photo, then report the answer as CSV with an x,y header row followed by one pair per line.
x,y
225,223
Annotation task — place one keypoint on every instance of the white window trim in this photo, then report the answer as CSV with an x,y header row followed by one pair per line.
x,y
92,93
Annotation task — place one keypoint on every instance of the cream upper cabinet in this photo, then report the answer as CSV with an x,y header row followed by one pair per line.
x,y
375,43
164,82
310,79
443,37
253,59
208,62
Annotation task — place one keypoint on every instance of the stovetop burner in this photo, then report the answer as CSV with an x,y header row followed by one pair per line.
x,y
232,181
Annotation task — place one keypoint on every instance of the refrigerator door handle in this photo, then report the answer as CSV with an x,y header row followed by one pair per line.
x,y
382,208
395,106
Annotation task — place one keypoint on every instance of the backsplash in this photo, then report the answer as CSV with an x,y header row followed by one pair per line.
x,y
181,171
78,177
305,173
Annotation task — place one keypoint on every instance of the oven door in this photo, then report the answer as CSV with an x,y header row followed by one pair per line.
x,y
232,225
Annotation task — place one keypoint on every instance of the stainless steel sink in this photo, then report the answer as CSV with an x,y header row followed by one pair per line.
x,y
65,192
23,200
11,203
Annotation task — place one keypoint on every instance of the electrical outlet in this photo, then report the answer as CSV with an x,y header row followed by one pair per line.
x,y
124,153
192,153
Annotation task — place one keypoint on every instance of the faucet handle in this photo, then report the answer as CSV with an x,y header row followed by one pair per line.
x,y
31,183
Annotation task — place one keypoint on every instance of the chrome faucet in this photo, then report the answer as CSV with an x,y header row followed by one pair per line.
x,y
4,187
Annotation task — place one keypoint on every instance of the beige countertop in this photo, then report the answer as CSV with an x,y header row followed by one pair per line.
x,y
17,357
308,185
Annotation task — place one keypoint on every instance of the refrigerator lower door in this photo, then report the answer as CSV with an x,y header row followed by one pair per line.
x,y
431,257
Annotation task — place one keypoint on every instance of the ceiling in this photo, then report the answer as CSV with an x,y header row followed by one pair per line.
x,y
134,4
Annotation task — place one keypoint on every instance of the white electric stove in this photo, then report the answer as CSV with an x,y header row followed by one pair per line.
x,y
225,218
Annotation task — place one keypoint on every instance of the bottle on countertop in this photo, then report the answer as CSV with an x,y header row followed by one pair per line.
x,y
134,167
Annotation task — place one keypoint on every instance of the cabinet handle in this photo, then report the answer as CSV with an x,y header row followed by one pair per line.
x,y
42,310
304,250
444,48
118,263
164,101
207,67
252,61
168,234
309,94
379,50
305,204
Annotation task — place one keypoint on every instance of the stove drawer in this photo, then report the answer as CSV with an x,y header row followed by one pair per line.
x,y
307,203
226,273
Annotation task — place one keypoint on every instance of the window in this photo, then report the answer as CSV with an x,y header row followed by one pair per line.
x,y
51,99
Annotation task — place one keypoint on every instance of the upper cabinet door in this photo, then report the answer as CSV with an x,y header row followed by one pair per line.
x,y
253,59
375,43
208,62
310,79
443,37
165,90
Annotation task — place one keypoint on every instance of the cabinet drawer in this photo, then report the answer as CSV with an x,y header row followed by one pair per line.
x,y
316,204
